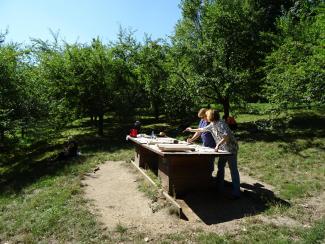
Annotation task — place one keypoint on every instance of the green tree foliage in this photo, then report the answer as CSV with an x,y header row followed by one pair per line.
x,y
153,73
55,81
129,93
217,54
222,42
9,87
89,79
92,80
20,104
180,100
295,70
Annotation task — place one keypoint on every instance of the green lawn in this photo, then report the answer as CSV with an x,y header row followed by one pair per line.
x,y
41,201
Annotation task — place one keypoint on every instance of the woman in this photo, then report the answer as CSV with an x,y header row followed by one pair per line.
x,y
206,137
225,141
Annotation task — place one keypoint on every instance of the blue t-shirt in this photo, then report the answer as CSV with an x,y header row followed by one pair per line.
x,y
206,137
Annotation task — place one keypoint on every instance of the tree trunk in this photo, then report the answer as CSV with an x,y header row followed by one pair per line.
x,y
23,132
101,124
155,106
156,113
226,107
2,135
24,128
95,121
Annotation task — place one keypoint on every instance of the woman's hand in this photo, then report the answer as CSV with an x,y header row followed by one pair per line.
x,y
217,147
188,129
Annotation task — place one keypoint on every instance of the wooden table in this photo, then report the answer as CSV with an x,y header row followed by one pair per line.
x,y
179,172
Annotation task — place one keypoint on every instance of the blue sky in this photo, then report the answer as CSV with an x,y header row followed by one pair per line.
x,y
82,20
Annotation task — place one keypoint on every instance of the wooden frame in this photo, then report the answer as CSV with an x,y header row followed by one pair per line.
x,y
179,171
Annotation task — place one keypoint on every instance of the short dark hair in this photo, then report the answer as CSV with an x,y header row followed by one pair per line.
x,y
213,115
216,115
137,125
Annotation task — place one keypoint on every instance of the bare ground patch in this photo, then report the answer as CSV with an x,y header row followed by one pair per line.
x,y
115,196
313,208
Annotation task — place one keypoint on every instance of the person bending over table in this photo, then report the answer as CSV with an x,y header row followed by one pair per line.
x,y
206,137
226,141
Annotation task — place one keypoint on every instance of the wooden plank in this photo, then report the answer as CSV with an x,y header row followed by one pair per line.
x,y
188,212
175,147
166,195
144,174
174,203
164,178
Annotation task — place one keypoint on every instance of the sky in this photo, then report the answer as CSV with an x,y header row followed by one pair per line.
x,y
82,20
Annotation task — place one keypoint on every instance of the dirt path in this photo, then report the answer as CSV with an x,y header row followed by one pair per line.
x,y
115,195
114,192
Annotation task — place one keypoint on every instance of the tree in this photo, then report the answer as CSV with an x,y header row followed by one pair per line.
x,y
15,98
295,70
179,99
8,87
92,79
20,93
224,47
55,81
153,74
129,92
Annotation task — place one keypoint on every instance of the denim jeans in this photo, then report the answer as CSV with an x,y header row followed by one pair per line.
x,y
232,162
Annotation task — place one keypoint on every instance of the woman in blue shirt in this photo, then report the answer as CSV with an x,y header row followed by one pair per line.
x,y
206,137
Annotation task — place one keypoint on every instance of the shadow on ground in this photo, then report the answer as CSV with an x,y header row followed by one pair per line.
x,y
213,207
40,160
300,126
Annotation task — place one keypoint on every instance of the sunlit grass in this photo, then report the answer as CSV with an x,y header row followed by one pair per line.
x,y
49,206
293,174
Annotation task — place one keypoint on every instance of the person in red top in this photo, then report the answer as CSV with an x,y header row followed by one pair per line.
x,y
231,122
136,129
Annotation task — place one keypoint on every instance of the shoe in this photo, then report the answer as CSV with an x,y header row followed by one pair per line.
x,y
233,197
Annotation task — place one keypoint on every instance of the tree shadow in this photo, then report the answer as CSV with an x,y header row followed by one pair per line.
x,y
298,147
213,207
301,126
27,172
26,168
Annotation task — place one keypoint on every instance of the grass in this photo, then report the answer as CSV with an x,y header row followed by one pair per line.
x,y
292,159
50,209
148,189
294,174
259,233
121,229
42,201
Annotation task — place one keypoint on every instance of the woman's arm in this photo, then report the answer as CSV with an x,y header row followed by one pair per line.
x,y
200,130
194,137
194,130
222,141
